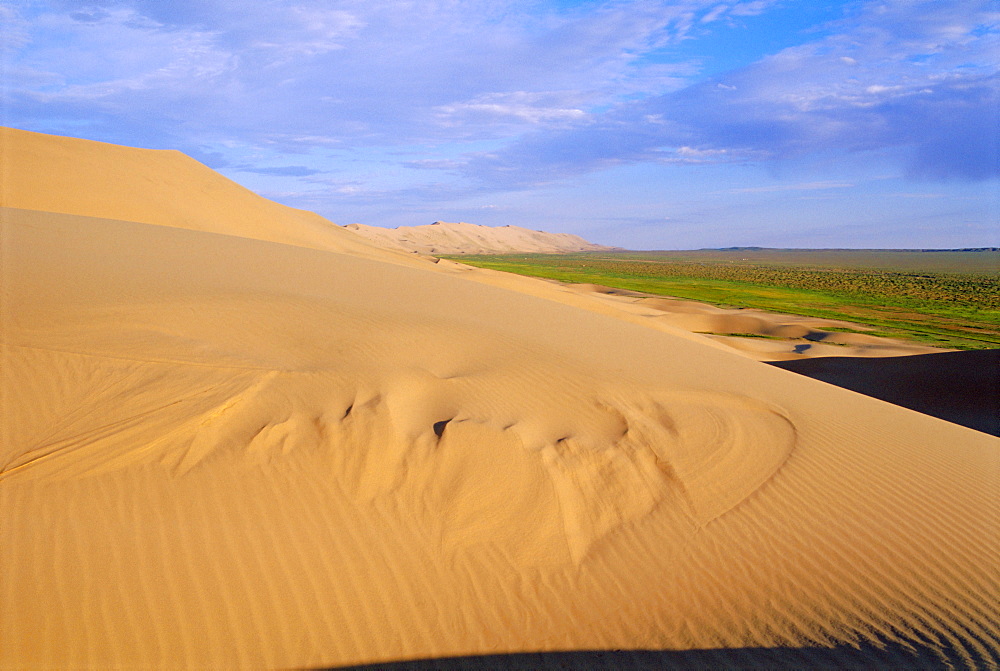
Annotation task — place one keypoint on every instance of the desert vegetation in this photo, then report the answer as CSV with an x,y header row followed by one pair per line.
x,y
946,299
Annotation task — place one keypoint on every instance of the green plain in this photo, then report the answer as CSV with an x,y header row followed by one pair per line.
x,y
942,299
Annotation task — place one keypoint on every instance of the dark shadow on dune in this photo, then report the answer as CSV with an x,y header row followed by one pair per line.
x,y
960,387
865,657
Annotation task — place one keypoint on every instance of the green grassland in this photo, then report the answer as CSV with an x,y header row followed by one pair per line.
x,y
943,299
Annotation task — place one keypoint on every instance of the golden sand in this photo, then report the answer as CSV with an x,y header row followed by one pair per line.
x,y
237,436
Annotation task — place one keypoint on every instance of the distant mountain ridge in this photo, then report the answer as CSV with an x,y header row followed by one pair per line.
x,y
462,238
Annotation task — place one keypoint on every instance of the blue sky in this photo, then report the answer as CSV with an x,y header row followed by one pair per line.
x,y
648,125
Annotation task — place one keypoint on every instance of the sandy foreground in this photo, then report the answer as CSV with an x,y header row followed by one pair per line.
x,y
235,435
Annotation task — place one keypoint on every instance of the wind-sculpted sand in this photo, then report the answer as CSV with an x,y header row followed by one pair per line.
x,y
220,451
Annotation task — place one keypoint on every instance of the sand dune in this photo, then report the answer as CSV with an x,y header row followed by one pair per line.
x,y
461,238
72,176
221,449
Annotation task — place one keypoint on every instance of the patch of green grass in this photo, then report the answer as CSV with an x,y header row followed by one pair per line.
x,y
841,329
944,309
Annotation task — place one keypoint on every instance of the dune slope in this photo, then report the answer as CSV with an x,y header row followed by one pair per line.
x,y
64,174
223,451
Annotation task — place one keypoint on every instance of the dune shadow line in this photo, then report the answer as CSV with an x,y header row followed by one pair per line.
x,y
960,387
866,656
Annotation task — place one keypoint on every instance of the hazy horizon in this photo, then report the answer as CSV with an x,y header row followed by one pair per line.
x,y
685,124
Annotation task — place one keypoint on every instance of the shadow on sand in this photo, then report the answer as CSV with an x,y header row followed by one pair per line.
x,y
867,656
960,387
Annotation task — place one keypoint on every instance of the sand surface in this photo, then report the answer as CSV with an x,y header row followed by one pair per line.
x,y
244,440
460,238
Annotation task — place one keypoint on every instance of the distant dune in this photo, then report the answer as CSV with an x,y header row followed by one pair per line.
x,y
460,238
235,435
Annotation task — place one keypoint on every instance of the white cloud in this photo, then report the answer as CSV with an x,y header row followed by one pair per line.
x,y
364,68
691,152
713,14
533,108
505,93
933,113
15,30
753,8
804,186
305,32
121,52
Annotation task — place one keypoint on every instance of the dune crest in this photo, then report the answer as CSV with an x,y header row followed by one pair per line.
x,y
221,450
163,187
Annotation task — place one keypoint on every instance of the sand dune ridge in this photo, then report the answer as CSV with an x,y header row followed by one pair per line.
x,y
461,238
223,450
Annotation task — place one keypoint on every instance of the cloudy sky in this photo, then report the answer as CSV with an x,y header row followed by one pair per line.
x,y
667,124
